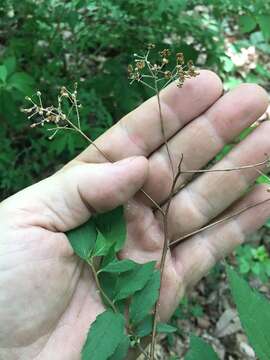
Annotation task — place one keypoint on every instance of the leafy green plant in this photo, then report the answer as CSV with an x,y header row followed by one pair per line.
x,y
199,349
89,41
254,261
254,313
49,44
104,235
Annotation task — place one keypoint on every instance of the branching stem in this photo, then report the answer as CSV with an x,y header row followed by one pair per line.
x,y
102,292
155,204
229,217
163,258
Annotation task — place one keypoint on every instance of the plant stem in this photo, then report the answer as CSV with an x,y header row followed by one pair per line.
x,y
163,258
108,300
243,167
111,161
229,217
163,128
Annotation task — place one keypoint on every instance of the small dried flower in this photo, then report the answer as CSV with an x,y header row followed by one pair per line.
x,y
151,46
149,73
167,75
140,64
165,53
180,58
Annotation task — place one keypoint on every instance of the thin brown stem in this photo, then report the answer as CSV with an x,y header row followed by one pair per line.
x,y
103,294
143,351
243,167
229,217
163,130
163,259
111,161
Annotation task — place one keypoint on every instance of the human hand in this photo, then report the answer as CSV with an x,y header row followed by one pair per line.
x,y
48,297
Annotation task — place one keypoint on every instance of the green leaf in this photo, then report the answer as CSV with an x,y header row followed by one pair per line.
x,y
102,246
144,328
165,328
120,266
244,267
104,336
264,22
3,73
121,350
247,23
82,239
143,300
113,226
132,281
254,313
10,64
22,82
200,350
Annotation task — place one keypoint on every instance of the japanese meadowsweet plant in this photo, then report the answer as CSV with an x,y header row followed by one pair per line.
x,y
131,291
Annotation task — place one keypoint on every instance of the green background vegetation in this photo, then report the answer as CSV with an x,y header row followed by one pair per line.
x,y
46,44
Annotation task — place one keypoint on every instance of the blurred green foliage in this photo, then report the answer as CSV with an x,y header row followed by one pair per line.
x,y
47,44
254,261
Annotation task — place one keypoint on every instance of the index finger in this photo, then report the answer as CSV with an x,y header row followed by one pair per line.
x,y
139,132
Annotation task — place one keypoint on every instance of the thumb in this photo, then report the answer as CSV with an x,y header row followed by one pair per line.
x,y
67,199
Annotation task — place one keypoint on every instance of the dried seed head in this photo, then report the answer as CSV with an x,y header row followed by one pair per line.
x,y
140,64
151,46
167,75
180,58
165,53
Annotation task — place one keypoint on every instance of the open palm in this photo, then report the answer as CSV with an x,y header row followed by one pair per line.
x,y
48,297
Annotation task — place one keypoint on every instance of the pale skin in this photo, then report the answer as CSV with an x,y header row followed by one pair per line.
x,y
48,298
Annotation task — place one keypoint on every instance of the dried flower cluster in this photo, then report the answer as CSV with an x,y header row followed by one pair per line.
x,y
54,115
147,72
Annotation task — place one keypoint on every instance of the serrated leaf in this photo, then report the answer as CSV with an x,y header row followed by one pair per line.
x,y
83,238
113,226
121,350
102,246
3,73
254,313
132,281
104,336
121,266
199,349
143,300
247,23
